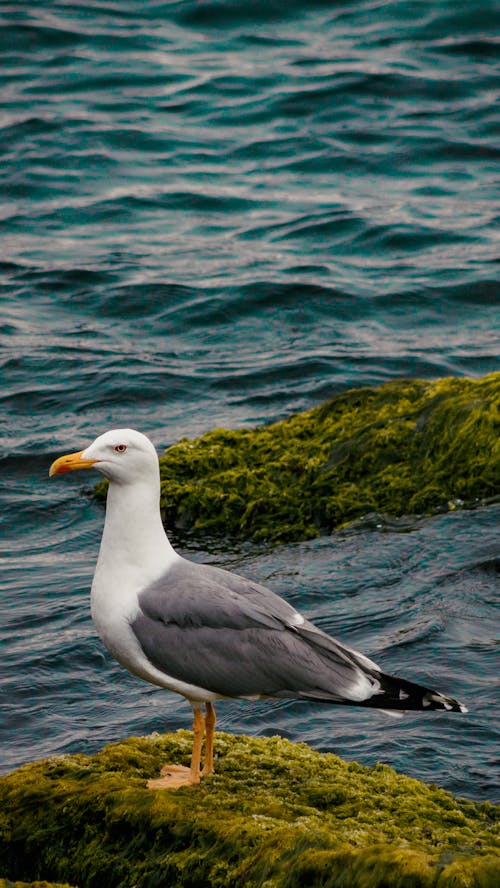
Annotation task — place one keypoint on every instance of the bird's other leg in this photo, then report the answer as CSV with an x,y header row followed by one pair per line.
x,y
208,767
198,730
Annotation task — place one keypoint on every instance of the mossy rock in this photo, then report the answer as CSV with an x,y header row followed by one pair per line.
x,y
406,447
274,814
6,883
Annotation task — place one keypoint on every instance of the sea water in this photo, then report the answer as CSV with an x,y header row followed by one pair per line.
x,y
215,214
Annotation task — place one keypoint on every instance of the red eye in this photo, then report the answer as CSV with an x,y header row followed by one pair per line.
x,y
120,448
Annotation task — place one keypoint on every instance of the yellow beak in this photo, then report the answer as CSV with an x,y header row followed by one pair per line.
x,y
69,463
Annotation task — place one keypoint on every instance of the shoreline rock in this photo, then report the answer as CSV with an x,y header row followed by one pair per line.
x,y
275,814
407,447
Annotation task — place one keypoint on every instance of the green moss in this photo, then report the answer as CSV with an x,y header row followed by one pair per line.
x,y
6,883
275,814
406,447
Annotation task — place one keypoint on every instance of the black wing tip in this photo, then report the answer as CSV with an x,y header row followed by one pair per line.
x,y
400,694
433,700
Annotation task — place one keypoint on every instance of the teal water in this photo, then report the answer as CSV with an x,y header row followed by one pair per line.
x,y
218,213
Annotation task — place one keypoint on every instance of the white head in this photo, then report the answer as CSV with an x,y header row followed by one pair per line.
x,y
122,455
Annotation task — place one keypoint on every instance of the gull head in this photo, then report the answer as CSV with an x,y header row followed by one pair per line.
x,y
124,456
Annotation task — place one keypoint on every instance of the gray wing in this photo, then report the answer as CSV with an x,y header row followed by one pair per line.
x,y
216,630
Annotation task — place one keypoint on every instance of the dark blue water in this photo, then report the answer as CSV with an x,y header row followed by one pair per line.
x,y
216,213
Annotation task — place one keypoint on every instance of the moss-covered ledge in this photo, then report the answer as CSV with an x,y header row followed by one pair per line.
x,y
275,814
7,883
407,447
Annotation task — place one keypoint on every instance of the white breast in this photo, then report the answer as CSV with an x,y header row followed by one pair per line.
x,y
134,553
114,605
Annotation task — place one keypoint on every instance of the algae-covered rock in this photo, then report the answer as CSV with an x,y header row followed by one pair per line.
x,y
274,814
406,447
6,883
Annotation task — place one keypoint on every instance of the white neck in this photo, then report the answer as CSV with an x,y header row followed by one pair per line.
x,y
134,548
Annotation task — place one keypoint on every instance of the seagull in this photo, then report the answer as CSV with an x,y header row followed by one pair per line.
x,y
207,633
